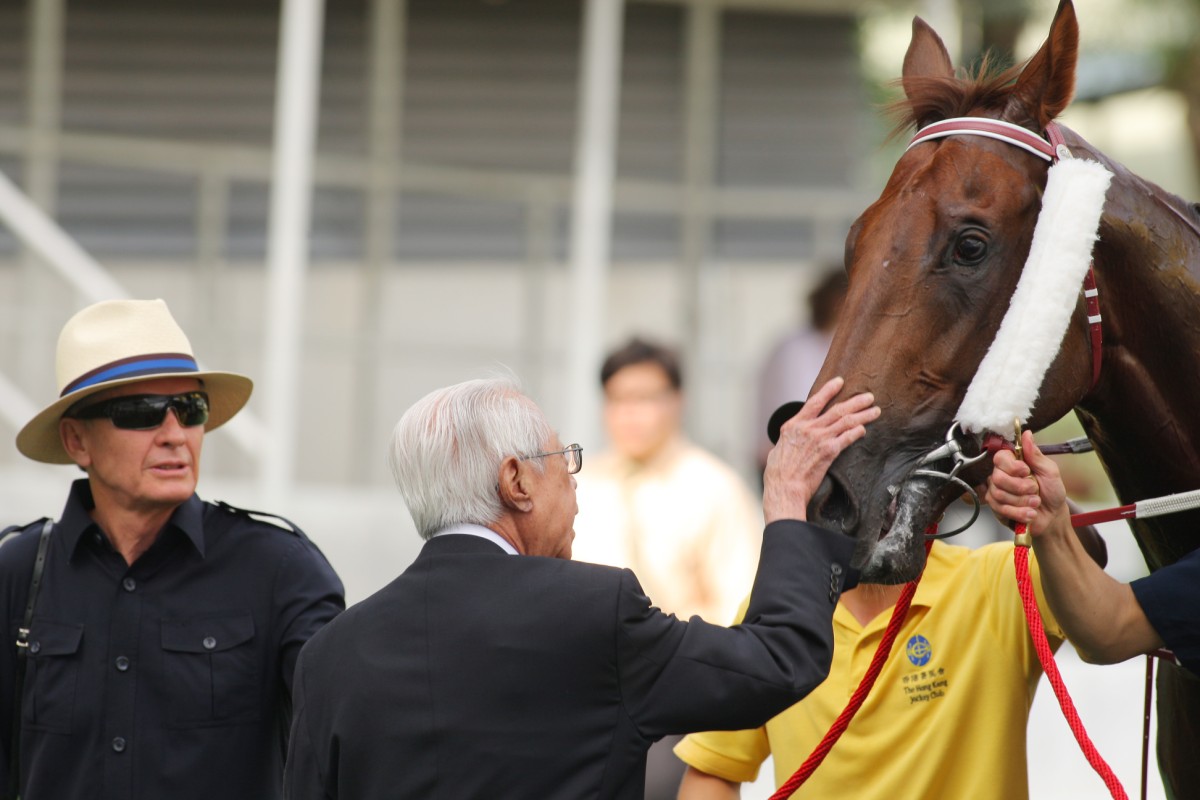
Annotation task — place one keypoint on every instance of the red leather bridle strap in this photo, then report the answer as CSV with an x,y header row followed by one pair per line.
x,y
1091,296
990,128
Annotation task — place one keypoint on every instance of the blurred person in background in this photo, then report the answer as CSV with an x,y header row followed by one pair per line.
x,y
792,366
497,667
674,513
165,629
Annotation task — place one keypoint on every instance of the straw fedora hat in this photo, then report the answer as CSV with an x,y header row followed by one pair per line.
x,y
116,342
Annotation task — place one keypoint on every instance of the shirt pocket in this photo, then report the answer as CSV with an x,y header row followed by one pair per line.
x,y
51,673
213,667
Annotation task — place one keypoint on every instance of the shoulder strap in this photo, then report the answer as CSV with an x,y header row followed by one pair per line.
x,y
262,516
39,565
13,531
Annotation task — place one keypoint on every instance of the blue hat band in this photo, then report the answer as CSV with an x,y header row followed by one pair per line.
x,y
154,364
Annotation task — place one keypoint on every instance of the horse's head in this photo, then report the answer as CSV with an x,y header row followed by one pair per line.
x,y
932,265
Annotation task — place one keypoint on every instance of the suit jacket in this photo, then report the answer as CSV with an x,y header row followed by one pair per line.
x,y
478,674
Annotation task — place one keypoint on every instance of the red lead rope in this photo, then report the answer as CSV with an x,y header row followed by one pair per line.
x,y
860,694
1045,656
1025,585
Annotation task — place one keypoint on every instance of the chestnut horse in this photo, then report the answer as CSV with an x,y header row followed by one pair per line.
x,y
932,265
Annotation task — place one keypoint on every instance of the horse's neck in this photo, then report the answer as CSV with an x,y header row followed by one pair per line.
x,y
1142,415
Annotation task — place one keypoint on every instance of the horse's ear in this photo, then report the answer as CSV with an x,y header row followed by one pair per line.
x,y
1047,83
926,57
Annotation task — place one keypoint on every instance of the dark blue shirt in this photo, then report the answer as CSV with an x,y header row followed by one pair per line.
x,y
170,678
1171,599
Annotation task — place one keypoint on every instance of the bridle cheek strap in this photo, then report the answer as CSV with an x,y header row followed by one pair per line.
x,y
1091,296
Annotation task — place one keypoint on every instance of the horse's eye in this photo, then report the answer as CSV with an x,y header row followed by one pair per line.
x,y
970,249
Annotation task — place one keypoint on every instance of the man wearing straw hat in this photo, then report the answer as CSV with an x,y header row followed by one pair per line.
x,y
156,633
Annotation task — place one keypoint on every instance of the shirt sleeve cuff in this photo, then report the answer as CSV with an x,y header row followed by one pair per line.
x,y
696,755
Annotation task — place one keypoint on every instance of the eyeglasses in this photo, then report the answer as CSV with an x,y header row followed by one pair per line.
x,y
143,412
573,453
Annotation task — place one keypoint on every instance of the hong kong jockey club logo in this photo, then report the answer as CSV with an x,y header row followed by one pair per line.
x,y
918,651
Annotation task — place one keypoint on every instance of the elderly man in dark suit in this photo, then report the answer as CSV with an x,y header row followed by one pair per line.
x,y
496,667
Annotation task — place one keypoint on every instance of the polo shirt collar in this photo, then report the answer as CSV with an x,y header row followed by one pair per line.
x,y
76,518
929,592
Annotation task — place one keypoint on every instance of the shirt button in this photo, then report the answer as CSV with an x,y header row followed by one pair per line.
x,y
34,647
837,569
122,663
209,643
130,584
118,745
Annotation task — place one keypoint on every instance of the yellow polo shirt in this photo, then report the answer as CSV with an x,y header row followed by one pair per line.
x,y
948,713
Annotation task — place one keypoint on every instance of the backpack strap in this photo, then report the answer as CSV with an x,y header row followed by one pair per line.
x,y
39,566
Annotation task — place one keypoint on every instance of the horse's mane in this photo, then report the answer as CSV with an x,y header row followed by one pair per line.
x,y
932,98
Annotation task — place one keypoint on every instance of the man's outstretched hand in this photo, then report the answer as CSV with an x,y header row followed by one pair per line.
x,y
808,444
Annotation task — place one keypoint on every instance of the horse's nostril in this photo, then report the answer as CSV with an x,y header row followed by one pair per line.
x,y
835,507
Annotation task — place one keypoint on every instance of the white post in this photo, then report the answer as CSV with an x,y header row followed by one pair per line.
x,y
387,22
702,58
44,84
297,84
591,215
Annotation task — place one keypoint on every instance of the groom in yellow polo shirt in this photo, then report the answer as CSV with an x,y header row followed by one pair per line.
x,y
960,679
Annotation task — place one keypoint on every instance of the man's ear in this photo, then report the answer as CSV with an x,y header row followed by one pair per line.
x,y
73,441
513,485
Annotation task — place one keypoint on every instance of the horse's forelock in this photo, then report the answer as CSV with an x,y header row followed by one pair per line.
x,y
933,98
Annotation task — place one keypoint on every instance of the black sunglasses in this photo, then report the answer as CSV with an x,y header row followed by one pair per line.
x,y
143,412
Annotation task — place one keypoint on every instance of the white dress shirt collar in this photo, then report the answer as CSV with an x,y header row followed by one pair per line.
x,y
478,530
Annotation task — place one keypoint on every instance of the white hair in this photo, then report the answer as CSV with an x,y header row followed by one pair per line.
x,y
447,449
